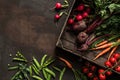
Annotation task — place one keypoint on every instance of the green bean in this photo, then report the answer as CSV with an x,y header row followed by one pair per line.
x,y
61,73
36,63
37,77
43,60
50,72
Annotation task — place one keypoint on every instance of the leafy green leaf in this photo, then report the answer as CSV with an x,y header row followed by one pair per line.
x,y
114,7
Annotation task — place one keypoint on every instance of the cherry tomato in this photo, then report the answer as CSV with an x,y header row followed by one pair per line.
x,y
108,73
116,56
90,74
102,77
85,70
101,71
108,64
117,69
113,60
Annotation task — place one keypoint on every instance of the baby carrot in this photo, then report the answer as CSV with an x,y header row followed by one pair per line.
x,y
102,53
101,43
66,62
103,46
113,50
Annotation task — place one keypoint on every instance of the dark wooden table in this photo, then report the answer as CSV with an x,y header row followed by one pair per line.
x,y
28,26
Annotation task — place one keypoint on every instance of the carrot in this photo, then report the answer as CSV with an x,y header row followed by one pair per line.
x,y
102,53
66,62
101,43
113,50
103,46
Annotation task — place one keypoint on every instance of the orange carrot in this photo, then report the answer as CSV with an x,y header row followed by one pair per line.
x,y
101,43
103,46
113,50
102,53
66,62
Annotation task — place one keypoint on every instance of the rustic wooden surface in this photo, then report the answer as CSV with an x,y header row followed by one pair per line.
x,y
28,26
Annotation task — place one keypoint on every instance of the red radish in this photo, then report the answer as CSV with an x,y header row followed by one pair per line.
x,y
70,21
113,60
81,7
58,6
108,64
88,10
85,14
117,69
57,16
116,56
79,17
108,73
102,77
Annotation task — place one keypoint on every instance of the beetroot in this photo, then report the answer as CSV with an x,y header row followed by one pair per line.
x,y
82,36
79,26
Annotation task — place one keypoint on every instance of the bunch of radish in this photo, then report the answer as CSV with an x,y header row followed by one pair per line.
x,y
58,7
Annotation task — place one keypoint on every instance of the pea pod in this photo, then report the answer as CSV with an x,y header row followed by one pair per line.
x,y
13,68
16,74
56,68
19,59
50,72
49,77
30,70
37,77
35,69
25,75
48,62
43,60
62,73
36,63
45,74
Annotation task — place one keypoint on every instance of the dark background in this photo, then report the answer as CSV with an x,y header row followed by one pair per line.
x,y
28,26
